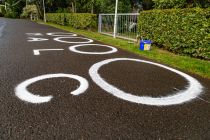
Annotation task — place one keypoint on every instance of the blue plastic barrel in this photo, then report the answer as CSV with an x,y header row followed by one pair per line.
x,y
145,45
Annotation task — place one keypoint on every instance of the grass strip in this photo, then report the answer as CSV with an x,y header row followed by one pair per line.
x,y
184,63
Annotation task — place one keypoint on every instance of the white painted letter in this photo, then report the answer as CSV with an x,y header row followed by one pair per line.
x,y
61,34
22,93
33,39
193,90
73,49
37,52
34,34
59,39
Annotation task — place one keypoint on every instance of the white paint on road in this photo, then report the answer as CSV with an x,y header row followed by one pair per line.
x,y
22,93
37,51
193,90
73,49
59,39
34,34
61,34
34,39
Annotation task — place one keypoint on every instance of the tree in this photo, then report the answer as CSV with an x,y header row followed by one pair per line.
x,y
198,3
92,6
29,10
14,8
166,4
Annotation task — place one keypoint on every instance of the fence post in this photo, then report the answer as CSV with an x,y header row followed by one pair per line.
x,y
115,19
44,11
99,23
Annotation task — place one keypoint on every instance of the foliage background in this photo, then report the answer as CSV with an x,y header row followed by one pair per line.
x,y
102,6
167,4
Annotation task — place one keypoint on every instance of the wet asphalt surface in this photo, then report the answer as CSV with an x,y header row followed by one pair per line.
x,y
94,114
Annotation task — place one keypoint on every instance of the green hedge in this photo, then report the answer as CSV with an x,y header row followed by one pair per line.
x,y
57,18
182,31
75,20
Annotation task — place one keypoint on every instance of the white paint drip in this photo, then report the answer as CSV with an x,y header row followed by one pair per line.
x,y
73,49
37,51
193,90
22,93
58,39
61,34
34,34
34,39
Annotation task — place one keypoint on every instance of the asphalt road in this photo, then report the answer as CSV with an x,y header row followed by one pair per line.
x,y
102,109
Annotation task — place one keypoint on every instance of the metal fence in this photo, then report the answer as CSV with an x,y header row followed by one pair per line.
x,y
126,25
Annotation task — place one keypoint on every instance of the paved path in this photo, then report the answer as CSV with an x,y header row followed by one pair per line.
x,y
52,86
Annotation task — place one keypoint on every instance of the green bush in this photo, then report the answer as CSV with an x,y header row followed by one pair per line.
x,y
58,18
75,20
182,31
1,14
2,11
82,20
11,15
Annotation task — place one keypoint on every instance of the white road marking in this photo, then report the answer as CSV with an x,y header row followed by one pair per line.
x,y
37,51
34,39
34,34
61,34
193,90
22,93
73,49
62,41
